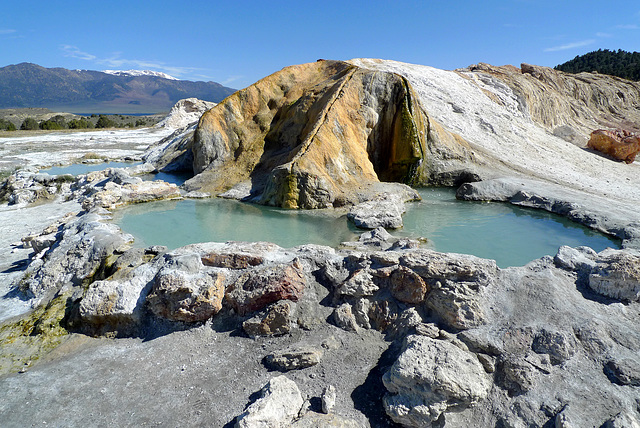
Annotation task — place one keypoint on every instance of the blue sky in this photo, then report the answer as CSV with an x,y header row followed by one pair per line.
x,y
238,42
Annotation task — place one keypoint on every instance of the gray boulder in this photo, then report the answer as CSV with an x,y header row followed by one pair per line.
x,y
328,399
560,346
457,283
274,321
279,404
117,304
257,288
384,211
432,377
617,276
184,296
294,359
577,259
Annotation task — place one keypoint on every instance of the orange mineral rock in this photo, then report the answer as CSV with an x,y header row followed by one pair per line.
x,y
619,144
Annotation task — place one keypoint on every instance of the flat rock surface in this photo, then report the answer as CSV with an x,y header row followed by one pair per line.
x,y
17,222
64,148
97,385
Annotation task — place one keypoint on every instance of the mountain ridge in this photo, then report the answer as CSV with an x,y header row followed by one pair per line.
x,y
88,91
140,73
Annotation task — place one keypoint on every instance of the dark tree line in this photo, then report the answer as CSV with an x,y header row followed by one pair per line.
x,y
58,122
614,63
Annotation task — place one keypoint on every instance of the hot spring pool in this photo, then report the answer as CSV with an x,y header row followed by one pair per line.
x,y
84,168
81,168
511,235
178,223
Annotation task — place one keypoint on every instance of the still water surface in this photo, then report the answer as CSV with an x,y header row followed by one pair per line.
x,y
81,168
84,168
178,223
511,235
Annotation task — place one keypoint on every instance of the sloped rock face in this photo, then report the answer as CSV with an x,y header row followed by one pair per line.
x,y
314,135
174,152
570,105
75,256
508,117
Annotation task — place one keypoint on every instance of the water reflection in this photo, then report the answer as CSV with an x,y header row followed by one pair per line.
x,y
83,168
511,235
179,223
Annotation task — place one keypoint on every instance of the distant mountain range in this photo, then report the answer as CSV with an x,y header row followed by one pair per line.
x,y
87,91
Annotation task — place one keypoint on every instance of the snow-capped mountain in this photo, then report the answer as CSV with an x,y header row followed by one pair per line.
x,y
90,91
140,73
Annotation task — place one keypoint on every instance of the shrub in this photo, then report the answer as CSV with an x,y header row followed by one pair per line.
x,y
29,124
105,122
7,125
80,124
50,125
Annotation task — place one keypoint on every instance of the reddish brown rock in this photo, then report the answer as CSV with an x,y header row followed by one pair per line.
x,y
619,144
231,261
259,287
407,286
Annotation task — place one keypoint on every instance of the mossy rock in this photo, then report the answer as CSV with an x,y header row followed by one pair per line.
x,y
33,335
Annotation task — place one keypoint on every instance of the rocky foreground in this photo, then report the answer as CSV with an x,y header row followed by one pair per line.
x,y
378,332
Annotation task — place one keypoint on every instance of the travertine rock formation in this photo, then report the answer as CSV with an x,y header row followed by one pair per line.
x,y
568,105
405,334
317,135
432,377
461,331
185,112
279,404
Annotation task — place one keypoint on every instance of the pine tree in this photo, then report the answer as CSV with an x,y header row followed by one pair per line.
x,y
614,63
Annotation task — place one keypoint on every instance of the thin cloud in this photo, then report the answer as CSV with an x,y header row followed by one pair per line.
x,y
570,45
628,27
7,31
231,79
74,52
604,35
